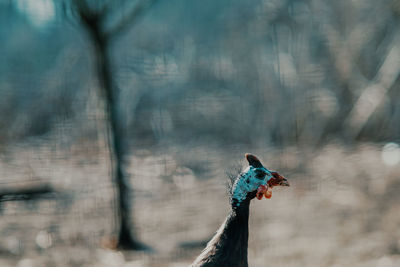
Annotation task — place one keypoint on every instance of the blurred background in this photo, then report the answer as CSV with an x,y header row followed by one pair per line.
x,y
120,119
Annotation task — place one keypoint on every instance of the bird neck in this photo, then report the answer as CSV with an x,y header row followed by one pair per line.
x,y
228,247
233,241
236,230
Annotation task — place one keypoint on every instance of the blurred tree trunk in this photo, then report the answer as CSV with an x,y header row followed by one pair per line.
x,y
125,236
93,20
115,137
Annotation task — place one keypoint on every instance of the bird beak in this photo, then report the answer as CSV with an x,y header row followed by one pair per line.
x,y
278,180
285,183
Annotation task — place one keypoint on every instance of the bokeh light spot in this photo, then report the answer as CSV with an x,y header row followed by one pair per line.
x,y
391,154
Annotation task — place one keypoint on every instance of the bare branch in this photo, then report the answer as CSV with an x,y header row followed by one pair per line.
x,y
130,19
373,95
103,10
88,15
81,6
27,193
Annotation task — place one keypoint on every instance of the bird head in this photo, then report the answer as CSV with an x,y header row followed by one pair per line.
x,y
255,181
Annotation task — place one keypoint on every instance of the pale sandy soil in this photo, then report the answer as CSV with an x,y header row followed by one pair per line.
x,y
343,208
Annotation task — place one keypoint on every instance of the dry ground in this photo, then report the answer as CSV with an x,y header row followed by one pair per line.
x,y
343,208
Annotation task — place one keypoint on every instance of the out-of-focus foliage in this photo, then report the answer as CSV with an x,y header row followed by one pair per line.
x,y
277,72
199,83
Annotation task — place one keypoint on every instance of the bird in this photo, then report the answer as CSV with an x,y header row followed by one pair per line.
x,y
229,245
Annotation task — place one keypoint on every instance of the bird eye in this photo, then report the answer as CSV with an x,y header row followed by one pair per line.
x,y
260,174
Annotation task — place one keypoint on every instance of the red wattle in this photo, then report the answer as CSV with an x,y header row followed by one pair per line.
x,y
261,191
